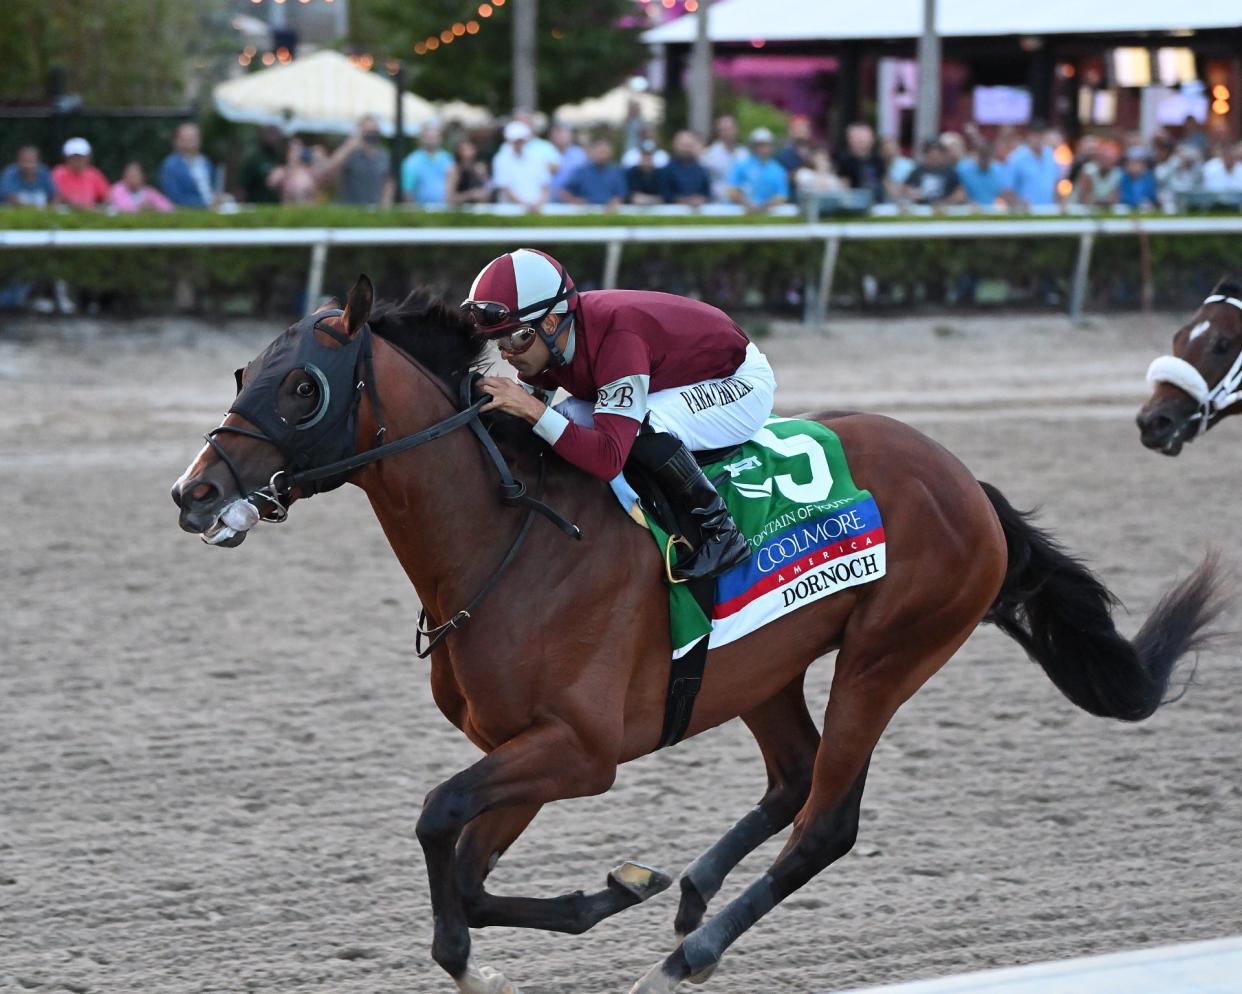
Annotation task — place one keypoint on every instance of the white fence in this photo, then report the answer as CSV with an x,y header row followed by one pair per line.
x,y
826,237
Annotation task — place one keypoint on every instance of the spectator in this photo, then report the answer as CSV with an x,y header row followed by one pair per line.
x,y
818,176
1138,183
861,166
954,146
897,167
685,180
572,157
297,180
599,182
1194,135
983,178
632,155
1099,181
186,177
934,180
131,194
27,181
77,182
360,168
537,146
759,181
1033,169
467,181
520,176
642,180
266,154
424,173
1088,145
722,155
1223,174
1181,174
798,150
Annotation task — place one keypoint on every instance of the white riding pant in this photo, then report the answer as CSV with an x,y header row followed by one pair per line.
x,y
708,415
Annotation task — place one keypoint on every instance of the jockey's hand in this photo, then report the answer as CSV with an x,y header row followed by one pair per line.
x,y
509,397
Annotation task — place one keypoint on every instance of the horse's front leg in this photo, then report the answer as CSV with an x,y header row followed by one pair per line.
x,y
484,841
547,762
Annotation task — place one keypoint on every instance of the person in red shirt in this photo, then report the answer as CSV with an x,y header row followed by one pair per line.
x,y
77,182
650,377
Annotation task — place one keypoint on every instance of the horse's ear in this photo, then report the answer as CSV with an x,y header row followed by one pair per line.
x,y
358,305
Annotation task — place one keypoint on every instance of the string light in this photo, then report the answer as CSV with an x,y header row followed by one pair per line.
x,y
692,6
458,30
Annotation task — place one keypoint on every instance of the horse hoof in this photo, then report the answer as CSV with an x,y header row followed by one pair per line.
x,y
484,980
642,881
655,981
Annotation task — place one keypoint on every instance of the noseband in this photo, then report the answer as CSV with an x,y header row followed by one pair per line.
x,y
1178,372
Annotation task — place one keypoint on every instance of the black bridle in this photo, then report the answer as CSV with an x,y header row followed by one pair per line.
x,y
335,413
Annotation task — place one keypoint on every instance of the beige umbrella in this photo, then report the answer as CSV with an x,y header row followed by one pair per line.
x,y
322,92
460,112
611,108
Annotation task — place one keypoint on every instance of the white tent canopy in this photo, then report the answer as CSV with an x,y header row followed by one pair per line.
x,y
460,112
816,20
611,108
322,92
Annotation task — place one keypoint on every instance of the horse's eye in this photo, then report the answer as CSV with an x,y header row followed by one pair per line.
x,y
305,389
1221,346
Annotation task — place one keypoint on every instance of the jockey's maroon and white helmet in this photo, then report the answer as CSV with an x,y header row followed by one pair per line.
x,y
519,287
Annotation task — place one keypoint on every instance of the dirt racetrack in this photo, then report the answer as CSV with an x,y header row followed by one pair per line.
x,y
211,761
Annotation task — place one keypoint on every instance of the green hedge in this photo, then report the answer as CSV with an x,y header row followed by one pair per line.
x,y
737,275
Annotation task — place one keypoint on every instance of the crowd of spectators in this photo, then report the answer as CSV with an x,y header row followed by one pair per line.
x,y
1007,169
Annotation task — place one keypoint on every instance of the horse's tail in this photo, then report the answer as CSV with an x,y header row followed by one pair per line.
x,y
1053,606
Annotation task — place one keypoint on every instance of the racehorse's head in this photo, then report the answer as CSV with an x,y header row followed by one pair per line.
x,y
1200,382
296,409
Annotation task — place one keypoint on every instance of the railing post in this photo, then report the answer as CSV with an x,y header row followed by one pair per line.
x,y
612,264
1082,268
827,269
314,278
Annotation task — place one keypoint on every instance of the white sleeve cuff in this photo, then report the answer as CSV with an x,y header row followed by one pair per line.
x,y
551,426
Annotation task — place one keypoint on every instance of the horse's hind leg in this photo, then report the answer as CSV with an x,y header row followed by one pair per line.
x,y
788,738
874,675
490,834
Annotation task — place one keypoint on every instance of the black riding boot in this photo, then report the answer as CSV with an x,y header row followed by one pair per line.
x,y
674,468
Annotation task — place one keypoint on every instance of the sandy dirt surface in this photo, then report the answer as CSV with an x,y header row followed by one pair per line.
x,y
211,761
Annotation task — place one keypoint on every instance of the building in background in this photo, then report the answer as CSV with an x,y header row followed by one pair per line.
x,y
1136,65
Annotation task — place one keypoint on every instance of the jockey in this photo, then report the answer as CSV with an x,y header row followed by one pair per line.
x,y
649,377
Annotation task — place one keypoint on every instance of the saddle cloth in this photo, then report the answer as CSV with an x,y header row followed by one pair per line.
x,y
812,532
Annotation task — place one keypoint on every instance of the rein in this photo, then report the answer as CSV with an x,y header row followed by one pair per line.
x,y
512,490
1181,374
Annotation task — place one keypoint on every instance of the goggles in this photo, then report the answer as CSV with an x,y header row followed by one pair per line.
x,y
517,341
492,314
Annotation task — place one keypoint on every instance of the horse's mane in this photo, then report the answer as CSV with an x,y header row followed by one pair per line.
x,y
431,331
443,339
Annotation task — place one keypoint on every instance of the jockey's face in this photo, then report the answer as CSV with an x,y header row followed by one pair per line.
x,y
535,359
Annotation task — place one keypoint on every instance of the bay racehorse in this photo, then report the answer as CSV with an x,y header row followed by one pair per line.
x,y
1201,382
559,673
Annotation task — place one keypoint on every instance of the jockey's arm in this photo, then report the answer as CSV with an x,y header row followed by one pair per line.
x,y
624,367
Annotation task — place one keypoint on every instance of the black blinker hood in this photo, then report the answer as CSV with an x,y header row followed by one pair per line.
x,y
328,434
